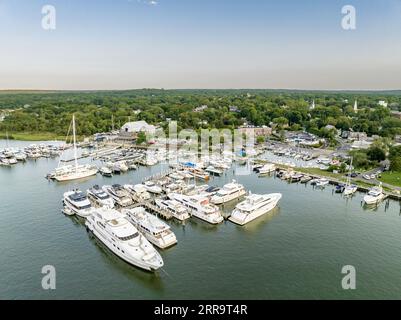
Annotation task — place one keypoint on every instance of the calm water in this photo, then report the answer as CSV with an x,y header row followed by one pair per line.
x,y
297,252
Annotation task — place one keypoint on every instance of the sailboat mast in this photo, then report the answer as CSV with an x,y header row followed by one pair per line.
x,y
75,142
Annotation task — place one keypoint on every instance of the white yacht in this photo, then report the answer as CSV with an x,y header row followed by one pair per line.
x,y
267,168
73,172
229,192
76,202
253,207
120,196
322,182
114,230
199,207
375,195
350,189
155,230
100,197
151,187
179,211
105,171
137,191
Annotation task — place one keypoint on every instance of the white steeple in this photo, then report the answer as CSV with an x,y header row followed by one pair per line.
x,y
356,106
313,105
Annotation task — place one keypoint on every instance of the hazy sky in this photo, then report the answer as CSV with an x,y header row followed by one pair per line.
x,y
122,44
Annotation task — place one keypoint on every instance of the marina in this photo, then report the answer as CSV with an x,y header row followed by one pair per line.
x,y
294,217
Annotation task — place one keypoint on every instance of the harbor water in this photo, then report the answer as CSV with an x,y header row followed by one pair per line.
x,y
296,252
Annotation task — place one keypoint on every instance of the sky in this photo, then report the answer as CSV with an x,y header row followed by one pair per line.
x,y
128,44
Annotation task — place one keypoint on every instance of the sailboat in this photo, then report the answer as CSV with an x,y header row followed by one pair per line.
x,y
350,188
76,171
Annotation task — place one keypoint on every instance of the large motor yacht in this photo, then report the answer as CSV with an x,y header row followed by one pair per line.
x,y
179,211
114,230
155,230
100,197
200,207
229,192
120,196
76,202
253,207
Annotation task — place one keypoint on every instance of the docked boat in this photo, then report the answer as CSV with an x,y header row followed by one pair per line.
x,y
152,187
176,176
76,171
106,172
305,179
253,207
76,202
229,192
100,197
339,188
199,206
155,230
374,196
114,230
267,168
12,160
178,211
214,171
350,189
120,196
322,182
20,156
296,177
199,174
138,192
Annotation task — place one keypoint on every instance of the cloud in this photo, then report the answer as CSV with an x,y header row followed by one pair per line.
x,y
148,2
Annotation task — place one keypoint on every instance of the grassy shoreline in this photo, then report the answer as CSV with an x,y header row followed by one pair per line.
x,y
35,136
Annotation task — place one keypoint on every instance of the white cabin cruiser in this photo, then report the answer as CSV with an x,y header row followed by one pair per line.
x,y
77,202
151,187
229,192
350,189
322,182
267,168
137,191
253,207
375,195
114,230
179,211
105,171
100,197
120,196
199,207
155,230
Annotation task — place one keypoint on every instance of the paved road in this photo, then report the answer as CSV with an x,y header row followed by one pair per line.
x,y
375,181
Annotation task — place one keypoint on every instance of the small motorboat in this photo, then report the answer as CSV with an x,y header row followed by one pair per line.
x,y
106,172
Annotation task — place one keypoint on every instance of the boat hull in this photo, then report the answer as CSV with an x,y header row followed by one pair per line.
x,y
134,262
76,175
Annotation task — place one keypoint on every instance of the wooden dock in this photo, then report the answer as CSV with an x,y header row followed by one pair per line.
x,y
166,215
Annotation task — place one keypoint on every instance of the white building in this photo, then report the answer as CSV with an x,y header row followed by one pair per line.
x,y
138,126
382,103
